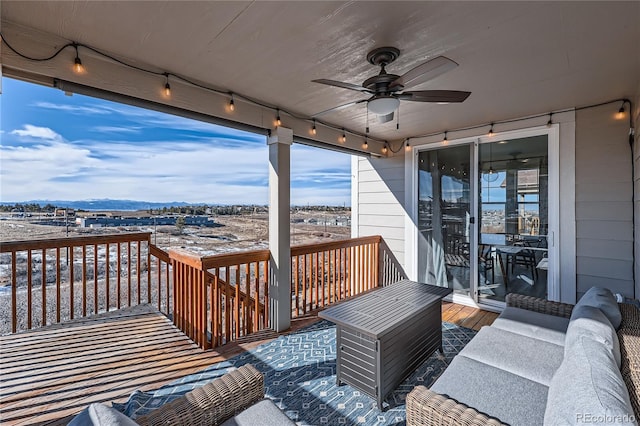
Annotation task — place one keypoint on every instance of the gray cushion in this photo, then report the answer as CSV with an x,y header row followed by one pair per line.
x,y
588,386
590,321
549,328
532,359
495,392
263,413
99,414
604,300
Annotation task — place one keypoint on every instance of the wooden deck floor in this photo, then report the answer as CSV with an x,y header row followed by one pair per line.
x,y
49,374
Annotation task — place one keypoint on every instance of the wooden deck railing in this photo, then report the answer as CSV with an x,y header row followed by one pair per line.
x,y
223,297
325,273
53,280
212,299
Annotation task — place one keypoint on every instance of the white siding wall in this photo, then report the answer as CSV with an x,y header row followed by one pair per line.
x,y
378,201
604,237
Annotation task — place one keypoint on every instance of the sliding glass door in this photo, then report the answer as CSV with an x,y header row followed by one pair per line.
x,y
483,217
513,217
444,215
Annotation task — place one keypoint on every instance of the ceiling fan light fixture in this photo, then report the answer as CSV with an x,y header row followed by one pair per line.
x,y
383,105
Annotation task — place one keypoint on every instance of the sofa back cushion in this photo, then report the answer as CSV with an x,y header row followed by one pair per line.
x,y
591,322
604,300
588,386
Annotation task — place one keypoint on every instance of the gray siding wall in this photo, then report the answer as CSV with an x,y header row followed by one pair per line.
x,y
380,200
604,208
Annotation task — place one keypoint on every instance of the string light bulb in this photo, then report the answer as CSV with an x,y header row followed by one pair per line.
x,y
314,131
167,86
491,131
407,146
365,145
232,106
621,111
384,149
550,122
278,121
445,140
77,63
343,138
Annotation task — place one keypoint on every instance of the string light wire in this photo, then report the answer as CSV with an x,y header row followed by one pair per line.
x,y
256,102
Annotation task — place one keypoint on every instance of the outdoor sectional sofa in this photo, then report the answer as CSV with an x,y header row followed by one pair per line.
x,y
542,362
235,399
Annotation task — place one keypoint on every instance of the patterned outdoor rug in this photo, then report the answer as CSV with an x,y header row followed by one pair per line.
x,y
299,374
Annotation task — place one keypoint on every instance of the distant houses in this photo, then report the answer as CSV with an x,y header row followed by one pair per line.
x,y
104,221
328,221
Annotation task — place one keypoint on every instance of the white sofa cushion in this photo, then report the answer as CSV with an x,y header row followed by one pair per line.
x,y
590,321
588,386
495,392
540,326
604,300
101,415
524,356
263,413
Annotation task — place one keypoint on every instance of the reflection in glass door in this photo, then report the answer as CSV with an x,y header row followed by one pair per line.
x,y
444,215
513,218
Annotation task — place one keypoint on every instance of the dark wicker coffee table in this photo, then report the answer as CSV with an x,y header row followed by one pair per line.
x,y
384,335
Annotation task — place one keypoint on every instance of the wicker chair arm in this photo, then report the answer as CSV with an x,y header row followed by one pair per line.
x,y
212,403
536,304
425,407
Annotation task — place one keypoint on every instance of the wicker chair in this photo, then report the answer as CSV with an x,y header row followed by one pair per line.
x,y
425,407
212,403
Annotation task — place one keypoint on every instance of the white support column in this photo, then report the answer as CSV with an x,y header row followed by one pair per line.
x,y
279,232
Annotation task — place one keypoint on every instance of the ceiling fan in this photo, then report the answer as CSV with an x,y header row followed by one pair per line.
x,y
387,90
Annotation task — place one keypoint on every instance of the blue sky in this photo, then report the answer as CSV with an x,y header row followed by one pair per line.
x,y
58,147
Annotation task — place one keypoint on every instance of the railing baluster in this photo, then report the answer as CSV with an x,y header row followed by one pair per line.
x,y
58,285
44,287
227,306
129,273
72,277
118,281
95,278
304,284
84,280
159,282
139,258
247,301
29,282
148,270
236,304
256,296
14,293
266,293
296,260
107,273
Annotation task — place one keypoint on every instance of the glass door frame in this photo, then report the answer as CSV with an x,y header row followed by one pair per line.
x,y
553,149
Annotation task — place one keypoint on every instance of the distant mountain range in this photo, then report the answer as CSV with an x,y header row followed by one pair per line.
x,y
103,204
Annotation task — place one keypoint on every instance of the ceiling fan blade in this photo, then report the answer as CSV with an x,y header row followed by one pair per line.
x,y
425,72
342,85
439,96
326,111
385,118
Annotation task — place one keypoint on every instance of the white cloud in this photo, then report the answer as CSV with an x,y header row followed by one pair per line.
x,y
74,109
191,171
35,132
116,129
